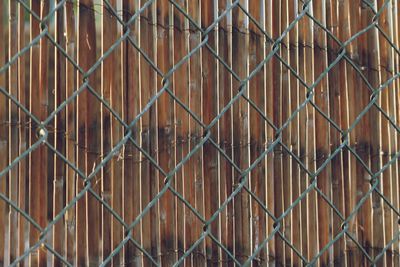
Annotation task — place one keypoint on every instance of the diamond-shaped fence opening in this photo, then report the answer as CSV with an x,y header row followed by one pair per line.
x,y
193,133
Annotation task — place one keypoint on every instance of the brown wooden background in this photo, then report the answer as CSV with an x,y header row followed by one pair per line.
x,y
326,193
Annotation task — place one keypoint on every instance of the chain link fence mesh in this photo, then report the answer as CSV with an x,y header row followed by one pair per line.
x,y
331,55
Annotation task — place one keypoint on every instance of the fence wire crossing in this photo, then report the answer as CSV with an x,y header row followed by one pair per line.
x,y
197,133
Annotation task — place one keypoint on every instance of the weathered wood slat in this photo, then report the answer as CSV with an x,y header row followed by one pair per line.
x,y
387,136
88,51
88,225
181,82
336,104
257,131
322,131
270,133
294,87
354,255
195,178
396,98
225,132
304,178
149,174
370,60
23,87
166,134
109,36
344,83
38,88
241,135
311,233
131,156
285,113
3,137
276,117
59,191
14,133
209,111
112,133
71,135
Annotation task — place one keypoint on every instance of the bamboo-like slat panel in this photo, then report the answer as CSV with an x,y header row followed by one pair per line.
x,y
199,133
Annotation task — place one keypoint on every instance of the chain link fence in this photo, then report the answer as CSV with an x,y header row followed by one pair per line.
x,y
324,102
